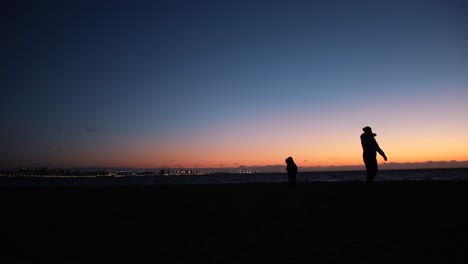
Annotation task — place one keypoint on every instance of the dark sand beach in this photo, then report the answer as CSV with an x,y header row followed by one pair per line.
x,y
238,223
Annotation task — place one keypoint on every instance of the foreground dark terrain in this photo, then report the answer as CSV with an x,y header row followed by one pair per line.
x,y
238,223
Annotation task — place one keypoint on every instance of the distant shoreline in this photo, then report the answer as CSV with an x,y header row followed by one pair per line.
x,y
263,169
405,175
176,172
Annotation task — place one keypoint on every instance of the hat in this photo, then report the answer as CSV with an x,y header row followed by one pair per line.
x,y
367,129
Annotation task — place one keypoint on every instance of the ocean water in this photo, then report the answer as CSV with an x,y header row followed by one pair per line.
x,y
302,177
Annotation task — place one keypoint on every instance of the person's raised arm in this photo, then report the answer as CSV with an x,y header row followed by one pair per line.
x,y
380,151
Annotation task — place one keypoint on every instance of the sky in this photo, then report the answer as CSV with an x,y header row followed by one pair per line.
x,y
224,83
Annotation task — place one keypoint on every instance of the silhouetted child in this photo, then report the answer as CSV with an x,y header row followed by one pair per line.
x,y
292,170
370,149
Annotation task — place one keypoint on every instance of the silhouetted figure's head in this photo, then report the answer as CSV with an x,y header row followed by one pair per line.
x,y
368,130
289,160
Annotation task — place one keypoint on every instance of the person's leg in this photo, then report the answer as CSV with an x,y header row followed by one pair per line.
x,y
372,170
291,179
371,167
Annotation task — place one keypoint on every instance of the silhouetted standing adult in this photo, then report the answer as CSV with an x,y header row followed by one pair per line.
x,y
292,170
370,149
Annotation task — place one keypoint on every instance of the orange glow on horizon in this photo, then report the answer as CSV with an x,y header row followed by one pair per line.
x,y
224,150
433,131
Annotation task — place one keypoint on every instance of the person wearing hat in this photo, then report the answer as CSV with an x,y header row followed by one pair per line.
x,y
370,149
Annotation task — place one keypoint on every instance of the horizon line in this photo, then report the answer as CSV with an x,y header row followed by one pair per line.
x,y
264,168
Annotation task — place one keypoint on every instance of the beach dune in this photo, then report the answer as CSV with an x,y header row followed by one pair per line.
x,y
238,223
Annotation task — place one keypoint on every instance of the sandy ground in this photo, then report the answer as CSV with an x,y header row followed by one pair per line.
x,y
238,223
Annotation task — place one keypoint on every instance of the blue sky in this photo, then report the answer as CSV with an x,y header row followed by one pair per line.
x,y
87,76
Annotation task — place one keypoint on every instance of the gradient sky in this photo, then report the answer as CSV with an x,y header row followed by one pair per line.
x,y
229,83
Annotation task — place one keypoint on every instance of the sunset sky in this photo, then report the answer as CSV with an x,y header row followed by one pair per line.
x,y
231,83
